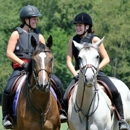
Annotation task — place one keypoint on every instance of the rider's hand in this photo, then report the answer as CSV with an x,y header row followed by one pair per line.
x,y
25,66
76,78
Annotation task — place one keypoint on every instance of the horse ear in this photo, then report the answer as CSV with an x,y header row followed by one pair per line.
x,y
49,42
33,42
97,44
77,45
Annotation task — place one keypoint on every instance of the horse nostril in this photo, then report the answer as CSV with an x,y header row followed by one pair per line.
x,y
41,85
46,84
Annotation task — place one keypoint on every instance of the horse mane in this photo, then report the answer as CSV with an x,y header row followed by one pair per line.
x,y
88,46
39,48
29,70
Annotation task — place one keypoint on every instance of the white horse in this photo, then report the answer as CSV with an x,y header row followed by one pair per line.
x,y
89,107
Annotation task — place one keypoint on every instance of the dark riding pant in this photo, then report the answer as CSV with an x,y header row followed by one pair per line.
x,y
102,76
16,72
6,95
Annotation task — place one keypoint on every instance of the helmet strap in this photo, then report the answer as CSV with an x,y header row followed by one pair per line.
x,y
30,28
85,30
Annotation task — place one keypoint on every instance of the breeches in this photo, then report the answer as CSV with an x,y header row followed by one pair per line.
x,y
101,76
11,80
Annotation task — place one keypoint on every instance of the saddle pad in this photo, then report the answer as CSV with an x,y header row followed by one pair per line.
x,y
52,90
16,97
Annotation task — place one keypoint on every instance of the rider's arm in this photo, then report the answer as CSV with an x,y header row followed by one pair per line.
x,y
103,54
11,47
69,59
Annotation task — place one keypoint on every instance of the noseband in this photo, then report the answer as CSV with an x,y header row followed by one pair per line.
x,y
89,66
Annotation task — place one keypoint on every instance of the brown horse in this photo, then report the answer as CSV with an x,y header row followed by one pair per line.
x,y
37,107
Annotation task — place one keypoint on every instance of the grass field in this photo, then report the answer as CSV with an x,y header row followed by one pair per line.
x,y
64,126
1,127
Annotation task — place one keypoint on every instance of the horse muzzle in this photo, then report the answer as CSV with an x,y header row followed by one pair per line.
x,y
44,87
89,81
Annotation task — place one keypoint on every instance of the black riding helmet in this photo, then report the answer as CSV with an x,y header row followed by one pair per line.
x,y
83,18
28,12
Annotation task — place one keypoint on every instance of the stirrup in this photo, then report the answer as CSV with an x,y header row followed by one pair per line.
x,y
63,118
7,123
123,125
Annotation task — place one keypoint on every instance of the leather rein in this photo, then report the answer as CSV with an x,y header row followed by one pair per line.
x,y
79,107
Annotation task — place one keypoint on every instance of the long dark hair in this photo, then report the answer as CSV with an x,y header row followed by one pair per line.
x,y
90,29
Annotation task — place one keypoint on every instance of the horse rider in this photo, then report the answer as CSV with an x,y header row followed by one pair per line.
x,y
84,33
19,51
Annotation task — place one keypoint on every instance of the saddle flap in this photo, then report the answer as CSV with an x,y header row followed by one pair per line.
x,y
108,92
16,83
71,90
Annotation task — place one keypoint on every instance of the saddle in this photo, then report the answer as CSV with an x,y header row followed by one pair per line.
x,y
53,84
16,83
106,90
13,93
55,87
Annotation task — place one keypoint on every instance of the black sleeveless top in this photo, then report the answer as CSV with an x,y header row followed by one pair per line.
x,y
23,47
75,51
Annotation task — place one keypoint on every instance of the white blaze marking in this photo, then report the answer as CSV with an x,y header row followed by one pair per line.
x,y
43,56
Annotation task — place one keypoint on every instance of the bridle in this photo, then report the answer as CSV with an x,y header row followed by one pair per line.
x,y
43,113
35,74
78,108
92,67
87,66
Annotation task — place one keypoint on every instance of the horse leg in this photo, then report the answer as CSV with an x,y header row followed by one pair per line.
x,y
50,126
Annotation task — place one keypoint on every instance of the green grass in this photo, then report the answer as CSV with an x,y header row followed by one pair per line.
x,y
1,127
64,126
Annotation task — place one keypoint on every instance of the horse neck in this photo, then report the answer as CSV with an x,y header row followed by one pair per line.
x,y
36,96
85,94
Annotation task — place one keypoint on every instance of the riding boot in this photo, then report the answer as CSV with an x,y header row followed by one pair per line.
x,y
122,123
60,93
5,110
63,114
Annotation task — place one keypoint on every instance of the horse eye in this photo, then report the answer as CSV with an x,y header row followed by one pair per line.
x,y
51,59
97,57
79,58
